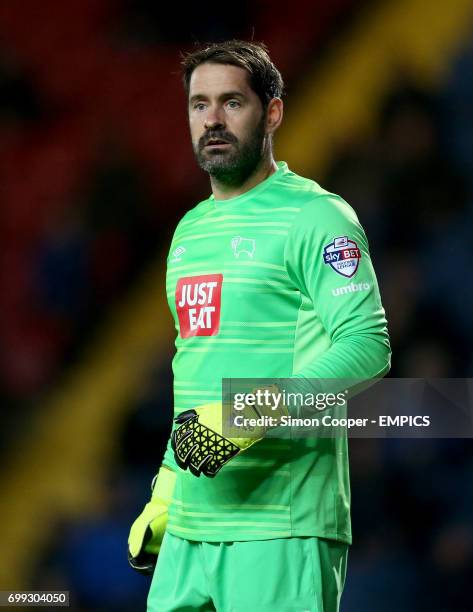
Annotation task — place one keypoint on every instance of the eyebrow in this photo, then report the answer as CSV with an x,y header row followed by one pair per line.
x,y
223,96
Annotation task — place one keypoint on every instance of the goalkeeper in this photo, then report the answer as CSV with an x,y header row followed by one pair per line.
x,y
269,277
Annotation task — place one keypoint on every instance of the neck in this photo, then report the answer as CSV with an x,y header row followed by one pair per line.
x,y
222,191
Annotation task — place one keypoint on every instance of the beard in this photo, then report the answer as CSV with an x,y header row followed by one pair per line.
x,y
232,165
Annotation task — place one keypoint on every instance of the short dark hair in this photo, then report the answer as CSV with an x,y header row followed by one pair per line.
x,y
265,79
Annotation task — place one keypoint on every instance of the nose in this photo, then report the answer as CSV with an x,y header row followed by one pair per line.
x,y
214,118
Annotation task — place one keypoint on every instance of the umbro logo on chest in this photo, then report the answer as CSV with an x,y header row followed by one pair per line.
x,y
177,254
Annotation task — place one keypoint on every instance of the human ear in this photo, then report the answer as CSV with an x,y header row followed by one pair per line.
x,y
274,115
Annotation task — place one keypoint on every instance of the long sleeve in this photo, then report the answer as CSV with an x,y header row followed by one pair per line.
x,y
327,258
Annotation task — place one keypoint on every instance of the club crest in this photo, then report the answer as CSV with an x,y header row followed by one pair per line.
x,y
343,255
243,245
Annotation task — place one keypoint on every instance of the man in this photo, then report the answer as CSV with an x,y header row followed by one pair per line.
x,y
260,283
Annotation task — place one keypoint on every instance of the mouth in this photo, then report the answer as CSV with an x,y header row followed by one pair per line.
x,y
216,143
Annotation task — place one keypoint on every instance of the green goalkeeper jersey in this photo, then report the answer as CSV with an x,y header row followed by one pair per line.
x,y
276,282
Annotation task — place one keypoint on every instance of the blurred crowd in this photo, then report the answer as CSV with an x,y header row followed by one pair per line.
x,y
412,187
411,183
64,266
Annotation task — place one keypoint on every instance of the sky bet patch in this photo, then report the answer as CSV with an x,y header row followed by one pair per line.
x,y
343,255
198,304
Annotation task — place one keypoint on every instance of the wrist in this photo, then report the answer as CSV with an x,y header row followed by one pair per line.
x,y
163,484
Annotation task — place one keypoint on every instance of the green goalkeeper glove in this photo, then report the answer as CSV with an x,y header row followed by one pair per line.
x,y
147,532
200,445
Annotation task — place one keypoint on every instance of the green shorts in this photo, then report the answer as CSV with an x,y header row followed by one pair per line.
x,y
281,575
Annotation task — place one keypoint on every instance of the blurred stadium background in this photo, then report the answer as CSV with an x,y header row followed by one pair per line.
x,y
96,168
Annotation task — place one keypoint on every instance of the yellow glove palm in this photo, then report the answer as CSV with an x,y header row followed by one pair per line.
x,y
147,532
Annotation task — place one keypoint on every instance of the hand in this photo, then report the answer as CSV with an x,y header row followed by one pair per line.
x,y
199,443
147,532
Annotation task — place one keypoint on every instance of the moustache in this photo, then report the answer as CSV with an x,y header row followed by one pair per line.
x,y
216,135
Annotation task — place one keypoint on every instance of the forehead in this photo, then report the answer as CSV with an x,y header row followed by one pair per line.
x,y
213,79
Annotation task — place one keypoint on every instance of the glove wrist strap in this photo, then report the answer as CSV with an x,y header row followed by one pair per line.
x,y
163,484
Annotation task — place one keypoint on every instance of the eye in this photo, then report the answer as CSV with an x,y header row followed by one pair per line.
x,y
199,106
233,104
